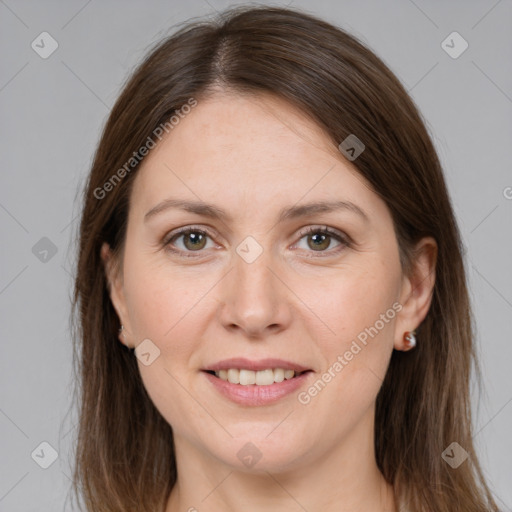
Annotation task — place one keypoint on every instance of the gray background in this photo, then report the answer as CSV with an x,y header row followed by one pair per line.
x,y
52,111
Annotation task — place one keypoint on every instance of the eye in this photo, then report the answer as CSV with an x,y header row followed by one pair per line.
x,y
320,239
194,240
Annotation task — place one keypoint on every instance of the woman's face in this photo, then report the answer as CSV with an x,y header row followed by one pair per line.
x,y
257,288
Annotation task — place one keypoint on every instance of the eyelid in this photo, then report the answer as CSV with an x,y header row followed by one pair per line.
x,y
325,229
344,239
176,233
189,228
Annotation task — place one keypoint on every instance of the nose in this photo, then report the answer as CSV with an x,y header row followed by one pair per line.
x,y
254,299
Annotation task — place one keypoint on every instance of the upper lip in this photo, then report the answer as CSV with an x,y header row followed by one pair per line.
x,y
242,363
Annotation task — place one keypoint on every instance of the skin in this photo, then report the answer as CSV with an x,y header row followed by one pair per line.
x,y
252,156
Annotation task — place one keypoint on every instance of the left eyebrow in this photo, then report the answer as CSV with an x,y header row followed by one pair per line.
x,y
287,213
294,212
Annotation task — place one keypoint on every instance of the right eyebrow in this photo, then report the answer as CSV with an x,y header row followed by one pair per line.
x,y
197,207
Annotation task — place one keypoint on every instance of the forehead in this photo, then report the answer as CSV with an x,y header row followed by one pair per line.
x,y
256,149
229,118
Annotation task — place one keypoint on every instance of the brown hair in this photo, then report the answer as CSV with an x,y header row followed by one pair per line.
x,y
125,454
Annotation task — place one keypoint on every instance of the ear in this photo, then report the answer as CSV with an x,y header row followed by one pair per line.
x,y
116,292
416,290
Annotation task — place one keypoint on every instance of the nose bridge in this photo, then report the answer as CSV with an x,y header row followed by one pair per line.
x,y
255,276
253,297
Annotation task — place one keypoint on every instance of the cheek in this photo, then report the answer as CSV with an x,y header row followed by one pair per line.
x,y
364,309
165,307
359,300
359,310
159,299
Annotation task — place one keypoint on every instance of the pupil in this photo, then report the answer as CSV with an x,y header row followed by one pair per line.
x,y
319,240
195,239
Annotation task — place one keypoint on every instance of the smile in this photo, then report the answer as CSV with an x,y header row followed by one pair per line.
x,y
256,390
258,378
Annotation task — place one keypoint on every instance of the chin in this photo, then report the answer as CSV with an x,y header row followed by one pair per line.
x,y
261,454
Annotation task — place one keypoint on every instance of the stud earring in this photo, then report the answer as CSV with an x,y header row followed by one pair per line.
x,y
121,332
410,339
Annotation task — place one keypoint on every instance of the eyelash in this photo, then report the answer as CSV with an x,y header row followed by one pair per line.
x,y
343,239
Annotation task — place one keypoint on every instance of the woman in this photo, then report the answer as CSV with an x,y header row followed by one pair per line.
x,y
272,301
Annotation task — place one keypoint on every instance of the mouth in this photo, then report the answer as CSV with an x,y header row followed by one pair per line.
x,y
256,383
267,377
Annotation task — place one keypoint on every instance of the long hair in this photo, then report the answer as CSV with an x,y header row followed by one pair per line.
x,y
125,459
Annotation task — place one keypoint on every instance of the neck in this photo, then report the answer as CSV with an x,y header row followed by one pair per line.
x,y
344,479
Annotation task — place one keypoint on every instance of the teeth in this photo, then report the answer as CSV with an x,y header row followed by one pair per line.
x,y
247,377
232,375
264,377
278,375
259,378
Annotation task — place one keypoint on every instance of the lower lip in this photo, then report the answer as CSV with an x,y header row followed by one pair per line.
x,y
257,395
